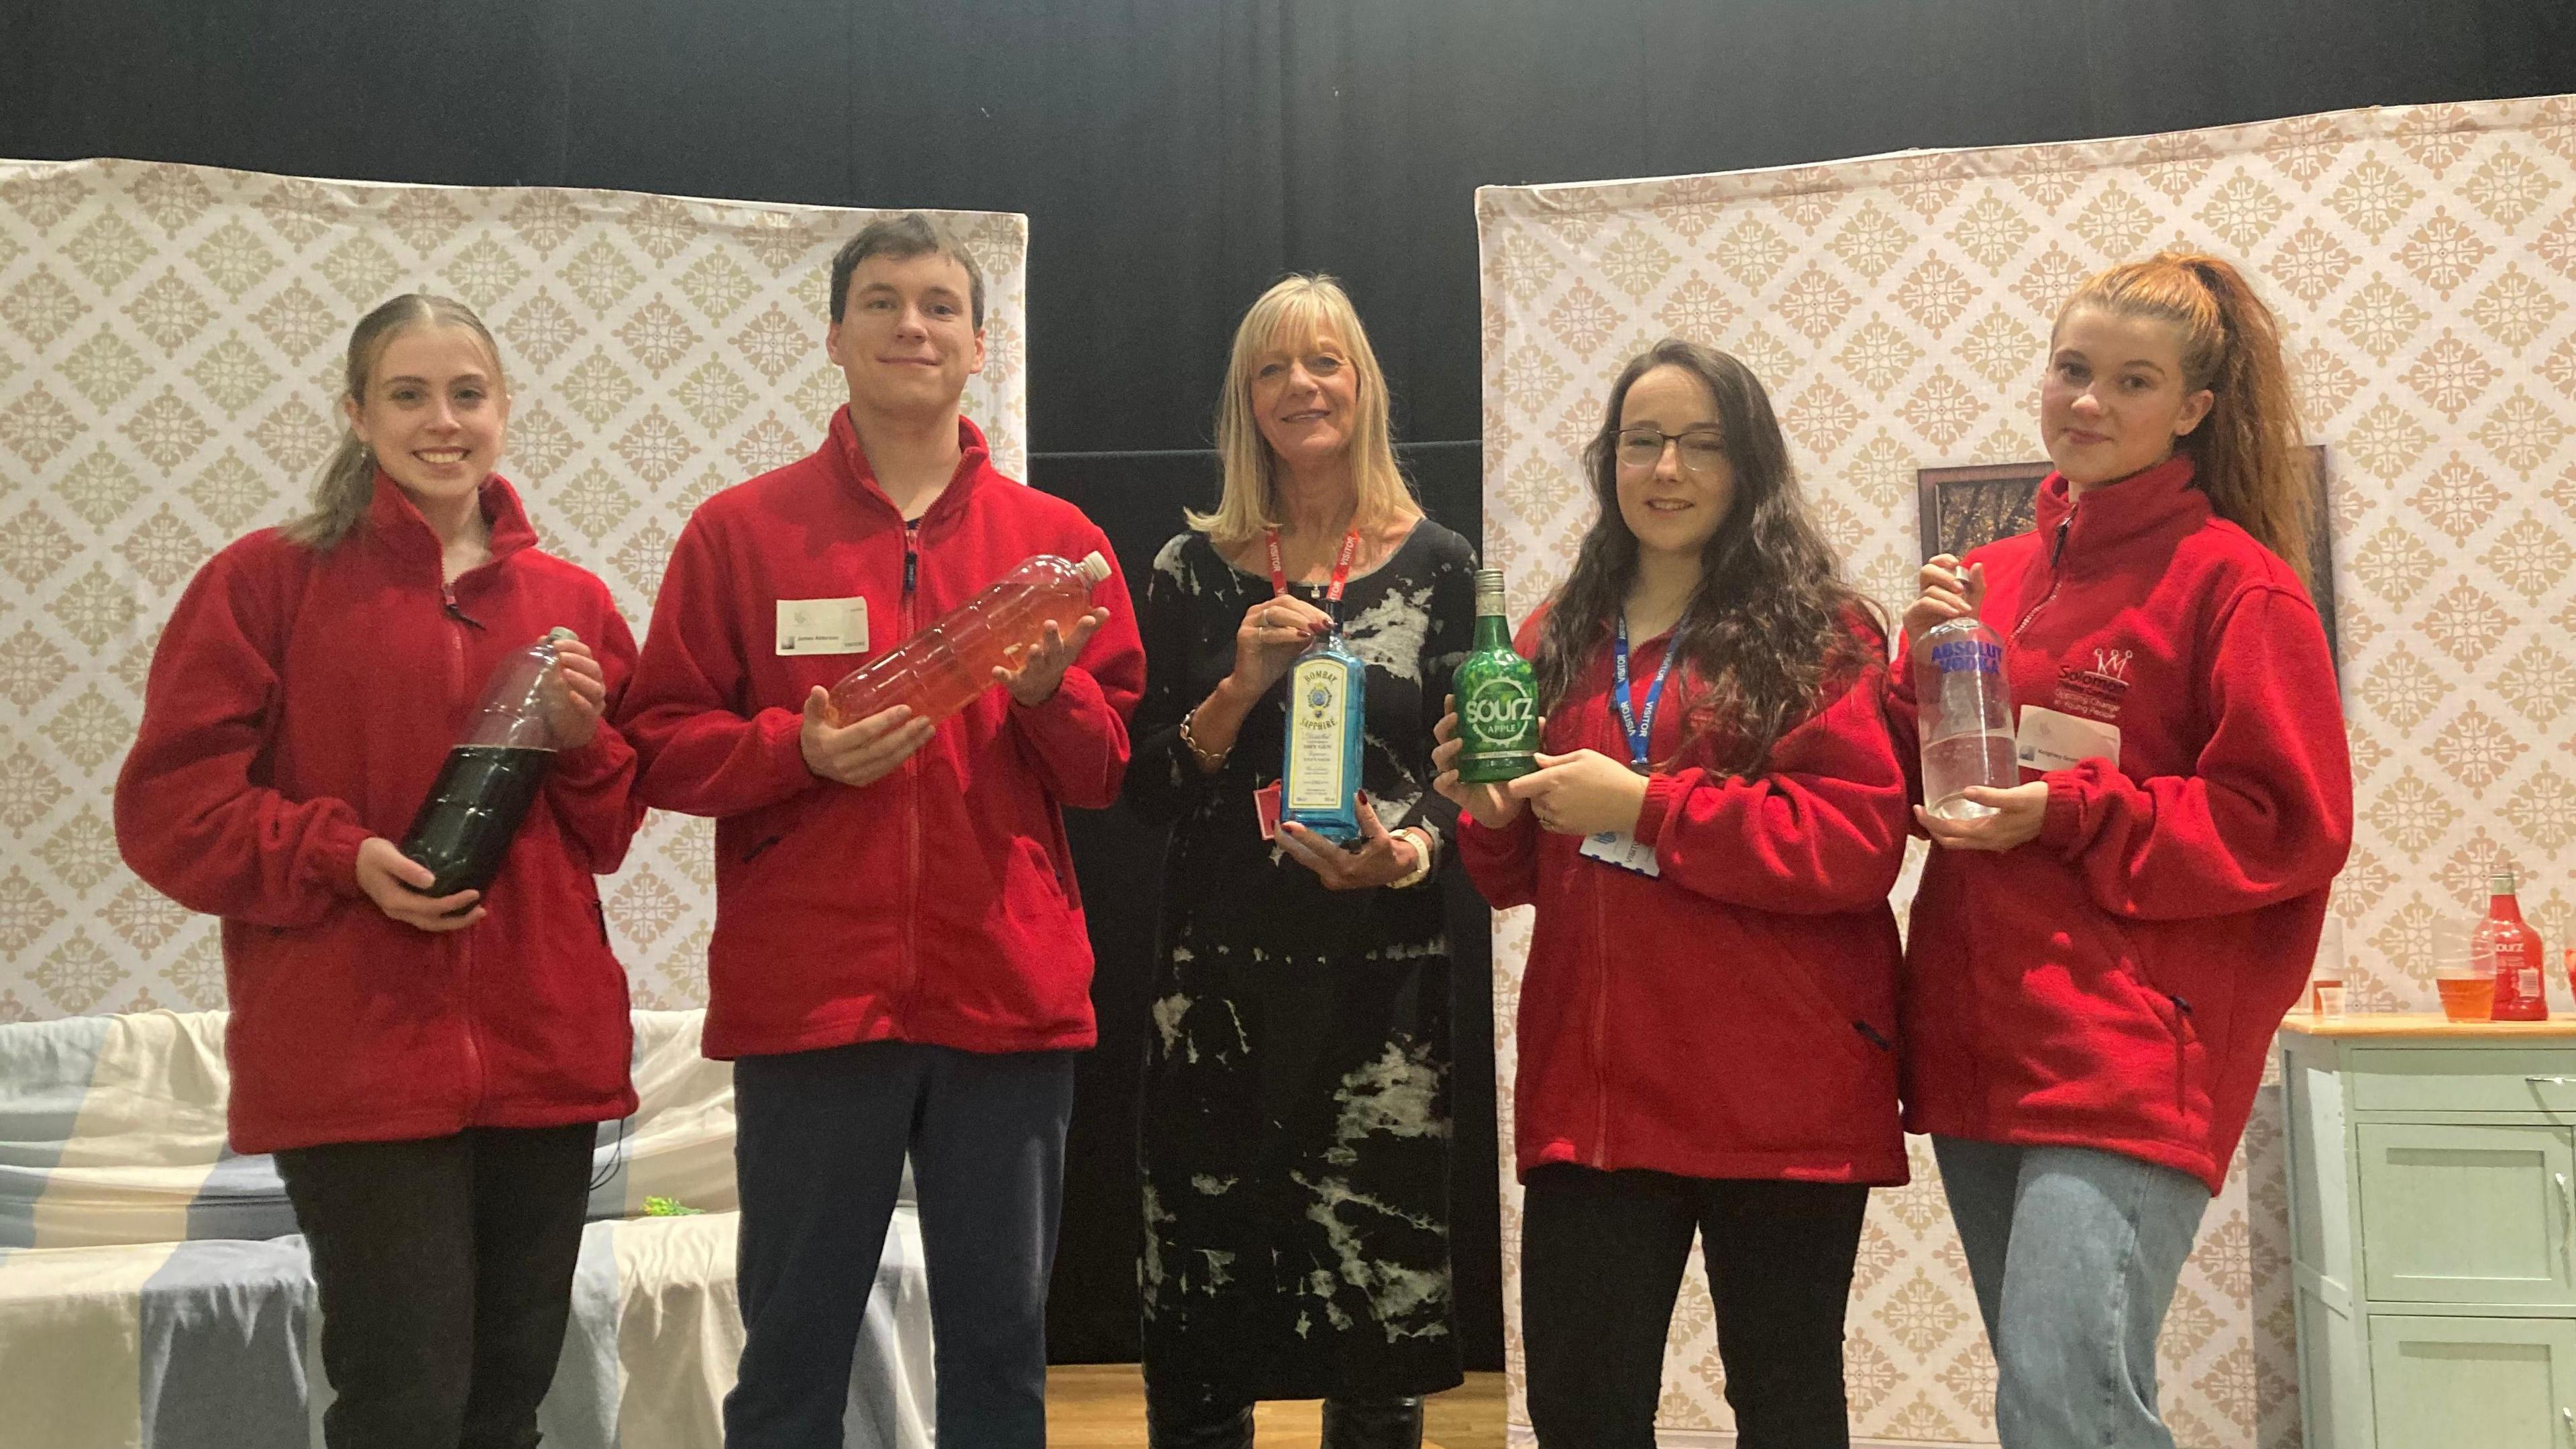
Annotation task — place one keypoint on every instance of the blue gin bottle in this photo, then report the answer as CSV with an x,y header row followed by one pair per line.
x,y
1319,778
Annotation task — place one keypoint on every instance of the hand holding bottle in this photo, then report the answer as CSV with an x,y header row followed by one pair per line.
x,y
1379,858
864,751
578,697
2018,814
1493,806
1582,793
394,881
1949,592
1042,669
1273,633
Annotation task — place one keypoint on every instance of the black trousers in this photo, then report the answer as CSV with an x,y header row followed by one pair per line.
x,y
1602,1255
445,1271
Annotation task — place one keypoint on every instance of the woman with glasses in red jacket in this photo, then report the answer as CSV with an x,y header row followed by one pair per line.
x,y
2097,963
1706,1021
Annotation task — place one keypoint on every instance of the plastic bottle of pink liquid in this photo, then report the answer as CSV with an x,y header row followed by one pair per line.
x,y
942,669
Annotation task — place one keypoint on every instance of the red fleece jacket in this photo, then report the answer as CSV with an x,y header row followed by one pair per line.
x,y
2116,982
938,904
1733,1016
300,702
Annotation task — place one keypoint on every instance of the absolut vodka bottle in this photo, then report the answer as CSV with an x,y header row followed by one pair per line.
x,y
1963,716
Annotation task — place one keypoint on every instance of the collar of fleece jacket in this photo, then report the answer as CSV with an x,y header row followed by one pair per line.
x,y
850,461
395,525
2157,503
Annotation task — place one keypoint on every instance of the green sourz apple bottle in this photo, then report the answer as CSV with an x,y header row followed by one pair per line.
x,y
1497,696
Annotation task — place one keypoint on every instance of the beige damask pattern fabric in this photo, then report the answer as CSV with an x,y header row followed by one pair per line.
x,y
2423,261
170,350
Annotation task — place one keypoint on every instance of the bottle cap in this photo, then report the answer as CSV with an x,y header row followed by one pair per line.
x,y
559,633
2500,883
1094,567
1489,591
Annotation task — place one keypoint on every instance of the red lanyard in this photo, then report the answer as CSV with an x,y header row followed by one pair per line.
x,y
1341,567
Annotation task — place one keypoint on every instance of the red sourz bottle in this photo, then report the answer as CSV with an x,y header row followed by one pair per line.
x,y
2520,992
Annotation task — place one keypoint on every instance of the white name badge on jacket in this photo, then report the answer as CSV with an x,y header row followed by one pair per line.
x,y
822,626
2051,740
1619,848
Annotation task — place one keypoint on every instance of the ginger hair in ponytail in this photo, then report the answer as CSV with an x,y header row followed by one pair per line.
x,y
348,481
2249,455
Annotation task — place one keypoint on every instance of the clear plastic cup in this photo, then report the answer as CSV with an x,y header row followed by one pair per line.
x,y
2326,978
2465,983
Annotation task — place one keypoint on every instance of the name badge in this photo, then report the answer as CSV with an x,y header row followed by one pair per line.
x,y
1619,848
2050,740
822,626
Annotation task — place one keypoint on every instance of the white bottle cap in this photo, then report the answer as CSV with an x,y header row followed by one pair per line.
x,y
1094,567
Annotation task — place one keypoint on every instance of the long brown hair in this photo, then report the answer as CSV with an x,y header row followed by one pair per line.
x,y
348,481
1770,625
2248,454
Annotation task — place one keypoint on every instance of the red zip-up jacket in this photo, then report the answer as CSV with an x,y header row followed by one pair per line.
x,y
300,702
2115,983
938,904
1734,1016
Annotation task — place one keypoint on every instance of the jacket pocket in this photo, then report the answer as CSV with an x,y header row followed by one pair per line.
x,y
2133,968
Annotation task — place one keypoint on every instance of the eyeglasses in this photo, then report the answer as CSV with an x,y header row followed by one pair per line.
x,y
1702,452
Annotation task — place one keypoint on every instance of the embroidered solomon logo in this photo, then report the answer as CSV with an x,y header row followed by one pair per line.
x,y
2098,692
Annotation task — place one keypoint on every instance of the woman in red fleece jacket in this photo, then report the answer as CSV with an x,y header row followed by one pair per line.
x,y
428,1071
2096,967
1705,1023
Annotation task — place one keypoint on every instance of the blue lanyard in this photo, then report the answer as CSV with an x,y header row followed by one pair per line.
x,y
1640,730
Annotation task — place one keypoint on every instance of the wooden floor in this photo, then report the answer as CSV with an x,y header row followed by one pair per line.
x,y
1102,1406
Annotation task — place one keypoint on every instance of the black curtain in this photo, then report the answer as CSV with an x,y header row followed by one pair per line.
x,y
1174,157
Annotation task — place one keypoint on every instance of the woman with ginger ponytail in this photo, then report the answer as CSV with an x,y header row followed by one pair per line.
x,y
2098,960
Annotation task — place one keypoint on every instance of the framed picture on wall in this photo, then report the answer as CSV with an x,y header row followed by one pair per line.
x,y
1960,508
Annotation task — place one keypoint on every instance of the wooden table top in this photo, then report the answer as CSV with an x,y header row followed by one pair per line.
x,y
2425,1025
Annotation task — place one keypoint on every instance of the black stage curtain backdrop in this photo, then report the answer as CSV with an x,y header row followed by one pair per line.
x,y
1176,156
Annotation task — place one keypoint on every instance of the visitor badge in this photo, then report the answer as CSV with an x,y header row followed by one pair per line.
x,y
1619,848
2050,740
822,626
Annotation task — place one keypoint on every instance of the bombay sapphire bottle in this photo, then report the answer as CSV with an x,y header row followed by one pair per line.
x,y
1319,778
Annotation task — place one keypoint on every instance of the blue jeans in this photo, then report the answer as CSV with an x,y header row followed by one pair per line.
x,y
819,1147
2074,1253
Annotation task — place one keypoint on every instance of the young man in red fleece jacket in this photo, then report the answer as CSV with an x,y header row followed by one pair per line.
x,y
2097,965
899,962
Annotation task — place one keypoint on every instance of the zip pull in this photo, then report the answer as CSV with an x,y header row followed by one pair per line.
x,y
911,555
2057,550
447,602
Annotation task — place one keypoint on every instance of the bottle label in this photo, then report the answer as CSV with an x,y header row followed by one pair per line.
x,y
1502,715
1316,735
1966,656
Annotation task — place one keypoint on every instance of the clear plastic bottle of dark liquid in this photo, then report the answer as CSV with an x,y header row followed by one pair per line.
x,y
492,775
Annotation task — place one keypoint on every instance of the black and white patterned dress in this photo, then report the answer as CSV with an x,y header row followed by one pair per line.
x,y
1295,1125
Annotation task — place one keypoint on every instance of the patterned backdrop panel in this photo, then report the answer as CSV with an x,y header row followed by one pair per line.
x,y
2423,261
170,351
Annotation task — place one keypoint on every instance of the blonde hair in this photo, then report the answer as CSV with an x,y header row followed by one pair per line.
x,y
2249,454
348,481
1300,309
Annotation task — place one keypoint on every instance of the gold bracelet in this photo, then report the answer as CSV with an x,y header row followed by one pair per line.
x,y
1208,763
